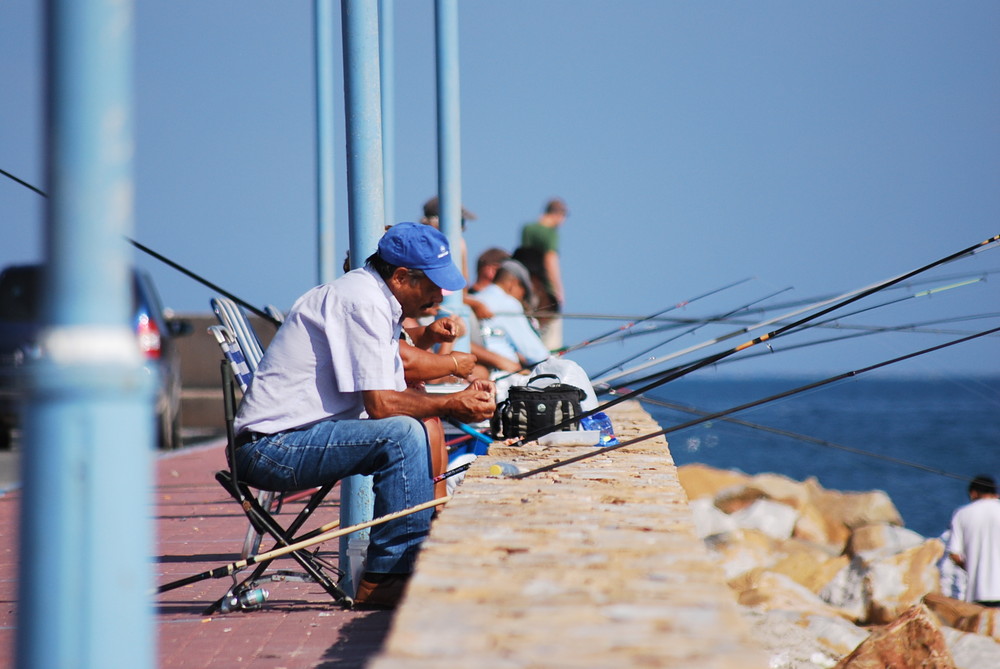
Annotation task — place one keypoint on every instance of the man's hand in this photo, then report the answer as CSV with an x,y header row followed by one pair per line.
x,y
445,330
464,363
475,403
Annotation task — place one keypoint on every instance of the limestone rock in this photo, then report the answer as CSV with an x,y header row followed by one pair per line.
x,y
881,539
846,590
772,518
985,621
855,509
742,551
912,640
703,481
768,591
949,611
809,570
737,498
796,639
965,616
813,525
781,489
972,651
709,520
895,583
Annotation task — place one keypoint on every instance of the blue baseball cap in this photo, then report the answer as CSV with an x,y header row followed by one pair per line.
x,y
423,247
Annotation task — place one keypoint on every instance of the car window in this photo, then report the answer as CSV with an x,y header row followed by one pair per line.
x,y
20,294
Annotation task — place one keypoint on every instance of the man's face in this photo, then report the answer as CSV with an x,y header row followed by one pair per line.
x,y
418,295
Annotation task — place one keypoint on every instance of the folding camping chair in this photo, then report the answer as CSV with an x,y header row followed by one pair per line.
x,y
236,323
236,370
235,320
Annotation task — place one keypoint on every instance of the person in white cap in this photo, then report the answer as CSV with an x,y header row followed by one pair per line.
x,y
509,332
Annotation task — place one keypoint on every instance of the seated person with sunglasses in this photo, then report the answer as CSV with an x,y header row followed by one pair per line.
x,y
329,399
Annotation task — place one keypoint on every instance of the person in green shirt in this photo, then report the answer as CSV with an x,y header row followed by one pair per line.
x,y
543,236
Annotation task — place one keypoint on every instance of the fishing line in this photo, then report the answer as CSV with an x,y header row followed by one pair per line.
x,y
628,326
902,285
622,330
606,390
916,328
719,414
838,302
806,438
737,310
923,293
673,322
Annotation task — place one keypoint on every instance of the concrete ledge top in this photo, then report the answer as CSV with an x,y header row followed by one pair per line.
x,y
595,564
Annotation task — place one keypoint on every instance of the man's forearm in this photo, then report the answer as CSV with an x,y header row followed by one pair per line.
x,y
409,402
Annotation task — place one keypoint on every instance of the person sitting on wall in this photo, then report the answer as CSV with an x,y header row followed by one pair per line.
x,y
329,399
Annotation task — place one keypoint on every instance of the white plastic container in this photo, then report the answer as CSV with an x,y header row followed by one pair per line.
x,y
571,438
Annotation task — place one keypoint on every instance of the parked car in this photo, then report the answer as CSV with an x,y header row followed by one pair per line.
x,y
20,324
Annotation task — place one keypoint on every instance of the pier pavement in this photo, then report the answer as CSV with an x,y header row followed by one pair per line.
x,y
592,565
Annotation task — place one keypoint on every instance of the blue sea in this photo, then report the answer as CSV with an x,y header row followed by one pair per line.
x,y
945,431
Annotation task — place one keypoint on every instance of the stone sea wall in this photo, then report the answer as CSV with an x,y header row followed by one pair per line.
x,y
624,560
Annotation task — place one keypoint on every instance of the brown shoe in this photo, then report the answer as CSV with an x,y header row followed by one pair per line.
x,y
380,591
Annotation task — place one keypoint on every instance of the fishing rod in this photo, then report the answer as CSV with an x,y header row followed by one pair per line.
x,y
23,183
923,293
836,303
912,327
804,437
830,320
719,414
630,325
868,330
688,331
848,298
180,268
233,567
960,276
621,330
679,320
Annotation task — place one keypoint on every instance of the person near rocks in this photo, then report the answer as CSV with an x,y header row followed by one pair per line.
x,y
543,235
974,544
329,399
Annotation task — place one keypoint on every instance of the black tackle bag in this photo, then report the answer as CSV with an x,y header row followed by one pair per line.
x,y
528,410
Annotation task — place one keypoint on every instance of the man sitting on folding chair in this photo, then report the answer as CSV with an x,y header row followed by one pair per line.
x,y
329,399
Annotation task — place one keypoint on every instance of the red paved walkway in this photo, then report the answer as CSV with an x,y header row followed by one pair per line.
x,y
199,528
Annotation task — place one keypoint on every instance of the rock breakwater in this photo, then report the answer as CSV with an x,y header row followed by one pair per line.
x,y
830,578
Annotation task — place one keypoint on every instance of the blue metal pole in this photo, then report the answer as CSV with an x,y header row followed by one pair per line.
x,y
366,214
449,142
387,56
326,239
86,539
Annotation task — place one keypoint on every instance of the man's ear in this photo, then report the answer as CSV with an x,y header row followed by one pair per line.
x,y
399,276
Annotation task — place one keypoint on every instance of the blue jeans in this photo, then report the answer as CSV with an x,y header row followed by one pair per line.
x,y
393,451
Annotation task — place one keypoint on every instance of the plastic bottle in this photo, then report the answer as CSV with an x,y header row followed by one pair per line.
x,y
504,469
600,421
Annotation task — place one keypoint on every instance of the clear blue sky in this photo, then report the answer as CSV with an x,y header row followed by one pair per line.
x,y
820,145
